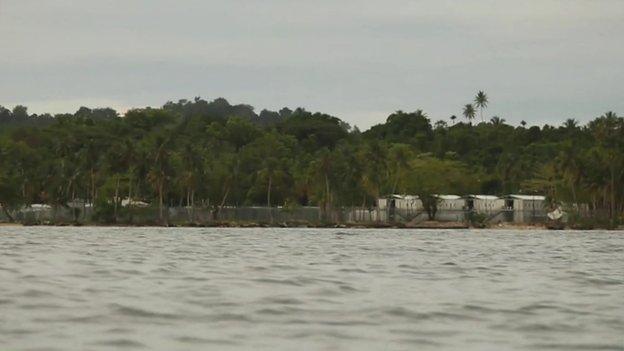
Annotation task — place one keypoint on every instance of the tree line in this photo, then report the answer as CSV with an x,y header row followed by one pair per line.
x,y
213,154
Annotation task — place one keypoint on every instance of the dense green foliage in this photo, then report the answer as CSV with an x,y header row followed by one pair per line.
x,y
213,154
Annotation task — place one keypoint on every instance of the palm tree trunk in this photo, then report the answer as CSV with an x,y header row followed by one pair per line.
x,y
188,204
92,188
84,205
364,208
129,191
612,195
193,205
116,198
73,197
223,200
327,199
574,199
269,199
24,188
160,201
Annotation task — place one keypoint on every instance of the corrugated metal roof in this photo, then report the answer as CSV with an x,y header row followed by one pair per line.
x,y
528,197
484,197
406,197
447,197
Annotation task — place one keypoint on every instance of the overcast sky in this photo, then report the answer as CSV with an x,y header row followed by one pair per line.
x,y
541,61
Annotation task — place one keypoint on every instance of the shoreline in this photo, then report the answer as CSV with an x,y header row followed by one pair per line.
x,y
427,225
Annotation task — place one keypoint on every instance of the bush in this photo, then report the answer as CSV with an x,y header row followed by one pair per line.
x,y
476,220
104,213
576,221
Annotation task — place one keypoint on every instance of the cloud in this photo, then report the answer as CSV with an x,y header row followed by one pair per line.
x,y
539,60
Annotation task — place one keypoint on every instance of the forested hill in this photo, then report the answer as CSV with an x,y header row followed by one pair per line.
x,y
215,154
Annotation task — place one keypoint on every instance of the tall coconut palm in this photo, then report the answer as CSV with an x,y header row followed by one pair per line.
x,y
160,171
481,101
321,169
453,118
469,112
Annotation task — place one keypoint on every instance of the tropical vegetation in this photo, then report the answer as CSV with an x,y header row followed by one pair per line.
x,y
202,154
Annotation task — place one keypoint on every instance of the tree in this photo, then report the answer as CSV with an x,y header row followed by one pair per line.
x,y
440,124
160,171
375,159
10,197
453,118
400,155
469,112
429,176
268,156
570,123
608,131
116,165
215,154
192,173
568,162
497,121
481,101
321,169
412,128
20,113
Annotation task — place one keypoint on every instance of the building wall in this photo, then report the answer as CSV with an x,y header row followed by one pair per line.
x,y
382,204
408,204
481,205
450,215
528,205
451,204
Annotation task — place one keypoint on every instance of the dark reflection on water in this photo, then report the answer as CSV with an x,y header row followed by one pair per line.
x,y
181,289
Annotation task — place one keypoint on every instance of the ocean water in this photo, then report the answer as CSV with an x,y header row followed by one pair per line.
x,y
309,289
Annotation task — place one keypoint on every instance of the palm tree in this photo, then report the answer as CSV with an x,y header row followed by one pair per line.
x,y
191,175
453,118
160,171
269,170
497,121
440,124
119,159
570,123
608,130
481,101
469,112
523,123
400,155
322,167
569,163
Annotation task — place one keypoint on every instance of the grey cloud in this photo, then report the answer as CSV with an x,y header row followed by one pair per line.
x,y
541,61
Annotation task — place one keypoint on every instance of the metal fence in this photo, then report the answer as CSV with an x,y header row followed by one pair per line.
x,y
311,214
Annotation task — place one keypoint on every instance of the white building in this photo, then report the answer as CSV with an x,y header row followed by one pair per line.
x,y
484,203
450,202
400,202
525,202
133,202
511,208
526,208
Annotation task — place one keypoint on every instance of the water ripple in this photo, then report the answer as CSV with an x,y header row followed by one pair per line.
x,y
315,289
